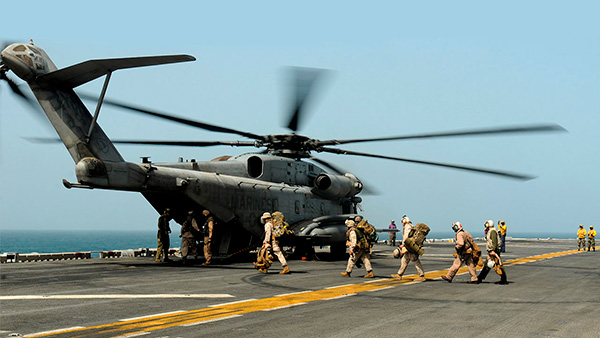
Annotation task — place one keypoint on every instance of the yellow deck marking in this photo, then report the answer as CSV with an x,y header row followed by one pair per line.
x,y
236,309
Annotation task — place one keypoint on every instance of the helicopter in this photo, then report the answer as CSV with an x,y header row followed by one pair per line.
x,y
315,196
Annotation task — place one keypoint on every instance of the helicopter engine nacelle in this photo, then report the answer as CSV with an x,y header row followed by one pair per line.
x,y
337,186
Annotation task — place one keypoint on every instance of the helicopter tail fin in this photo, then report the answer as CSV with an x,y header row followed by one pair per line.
x,y
74,124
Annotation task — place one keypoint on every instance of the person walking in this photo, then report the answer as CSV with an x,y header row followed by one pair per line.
x,y
162,249
493,249
409,256
464,254
271,241
359,249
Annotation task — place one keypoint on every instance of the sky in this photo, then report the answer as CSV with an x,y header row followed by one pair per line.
x,y
396,68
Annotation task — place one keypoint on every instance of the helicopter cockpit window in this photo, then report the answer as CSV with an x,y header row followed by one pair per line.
x,y
255,166
19,48
25,58
34,50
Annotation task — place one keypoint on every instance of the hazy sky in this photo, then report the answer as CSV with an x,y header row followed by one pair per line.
x,y
397,69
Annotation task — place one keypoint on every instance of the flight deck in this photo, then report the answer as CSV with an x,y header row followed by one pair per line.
x,y
553,291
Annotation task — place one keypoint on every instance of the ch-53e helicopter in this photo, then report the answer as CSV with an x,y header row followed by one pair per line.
x,y
237,189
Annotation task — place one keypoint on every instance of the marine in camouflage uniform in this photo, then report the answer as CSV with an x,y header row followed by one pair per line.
x,y
409,256
271,241
188,240
359,249
463,244
162,250
207,229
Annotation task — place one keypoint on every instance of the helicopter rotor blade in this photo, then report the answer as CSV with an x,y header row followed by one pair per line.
x,y
486,131
506,174
303,82
159,143
197,124
188,143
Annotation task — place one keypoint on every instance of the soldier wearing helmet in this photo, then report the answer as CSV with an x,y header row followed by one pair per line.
x,y
493,249
359,249
409,256
581,237
592,238
464,254
271,241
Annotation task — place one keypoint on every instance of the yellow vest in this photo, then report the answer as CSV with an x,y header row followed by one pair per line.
x,y
502,229
581,233
592,233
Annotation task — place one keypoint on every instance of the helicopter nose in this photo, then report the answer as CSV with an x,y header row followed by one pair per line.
x,y
15,58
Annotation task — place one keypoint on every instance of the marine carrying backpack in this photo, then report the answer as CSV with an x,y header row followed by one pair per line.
x,y
279,224
416,238
369,231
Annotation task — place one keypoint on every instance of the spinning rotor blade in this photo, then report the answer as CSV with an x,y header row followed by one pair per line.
x,y
445,165
303,81
160,143
189,143
487,131
181,120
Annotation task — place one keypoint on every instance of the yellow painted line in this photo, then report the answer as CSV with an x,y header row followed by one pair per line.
x,y
236,309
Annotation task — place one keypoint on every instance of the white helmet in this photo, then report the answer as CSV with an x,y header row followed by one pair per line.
x,y
456,226
490,263
489,223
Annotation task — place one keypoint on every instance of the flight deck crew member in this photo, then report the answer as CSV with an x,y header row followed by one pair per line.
x,y
271,241
463,246
409,256
592,238
493,250
392,233
207,229
188,240
359,249
581,237
502,229
162,250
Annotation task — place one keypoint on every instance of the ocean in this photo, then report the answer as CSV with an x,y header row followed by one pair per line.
x,y
73,241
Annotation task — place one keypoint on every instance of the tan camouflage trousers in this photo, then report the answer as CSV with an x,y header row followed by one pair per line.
x,y
188,246
361,254
458,262
278,253
207,252
409,256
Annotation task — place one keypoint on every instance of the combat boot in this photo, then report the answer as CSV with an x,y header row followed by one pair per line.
x,y
263,270
370,275
345,274
285,271
420,279
396,276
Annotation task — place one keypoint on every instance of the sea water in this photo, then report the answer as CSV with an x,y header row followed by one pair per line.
x,y
76,241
